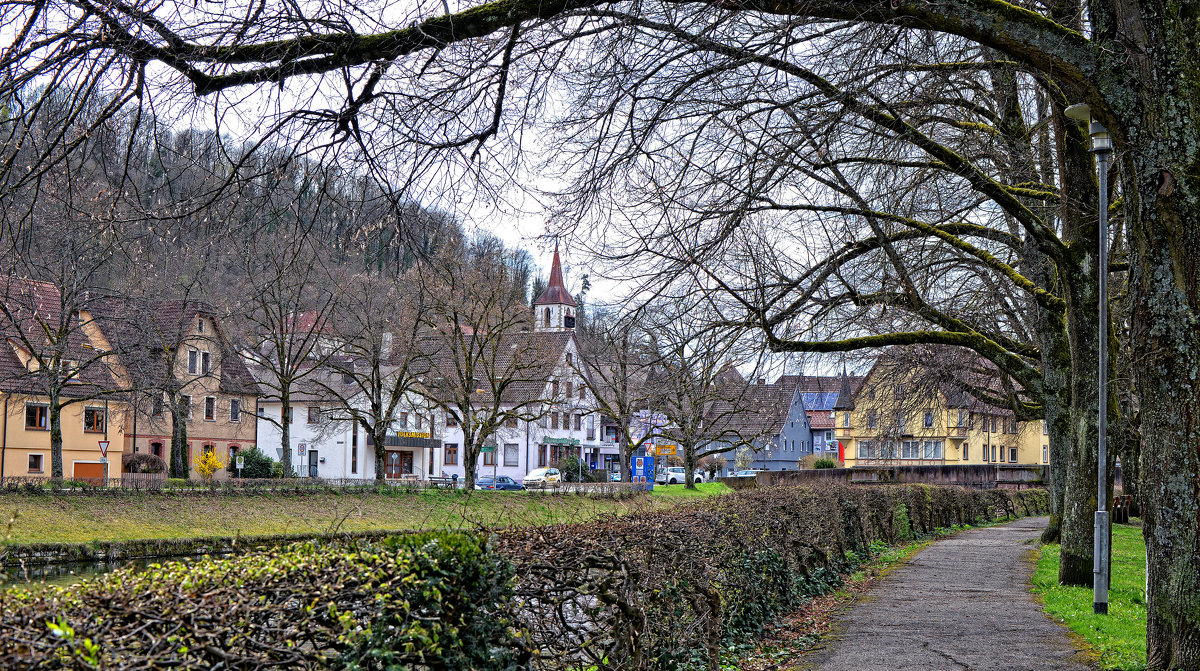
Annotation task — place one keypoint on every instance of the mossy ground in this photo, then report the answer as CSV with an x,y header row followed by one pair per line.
x,y
1118,638
83,518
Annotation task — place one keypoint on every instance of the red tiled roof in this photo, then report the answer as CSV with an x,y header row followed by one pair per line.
x,y
820,420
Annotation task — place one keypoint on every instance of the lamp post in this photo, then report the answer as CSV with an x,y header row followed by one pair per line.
x,y
1101,147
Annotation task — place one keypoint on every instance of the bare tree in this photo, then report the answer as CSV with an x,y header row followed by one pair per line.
x,y
487,366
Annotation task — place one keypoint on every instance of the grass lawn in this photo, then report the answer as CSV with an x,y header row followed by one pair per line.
x,y
1119,637
46,518
702,489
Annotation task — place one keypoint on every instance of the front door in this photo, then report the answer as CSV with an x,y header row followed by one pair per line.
x,y
312,463
392,466
406,463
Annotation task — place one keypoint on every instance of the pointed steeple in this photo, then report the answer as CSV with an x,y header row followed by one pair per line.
x,y
556,291
845,399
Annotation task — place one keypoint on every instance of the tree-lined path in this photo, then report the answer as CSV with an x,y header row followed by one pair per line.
x,y
961,603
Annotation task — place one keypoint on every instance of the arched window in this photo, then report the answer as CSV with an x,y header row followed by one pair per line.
x,y
547,313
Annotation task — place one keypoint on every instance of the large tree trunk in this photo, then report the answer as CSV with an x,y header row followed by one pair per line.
x,y
623,454
379,445
689,465
56,440
179,458
1165,289
285,431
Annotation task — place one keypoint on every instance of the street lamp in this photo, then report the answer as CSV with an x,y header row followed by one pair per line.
x,y
1101,147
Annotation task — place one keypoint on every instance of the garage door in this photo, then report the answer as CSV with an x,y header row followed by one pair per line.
x,y
84,471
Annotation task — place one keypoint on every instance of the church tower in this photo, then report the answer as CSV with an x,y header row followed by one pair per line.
x,y
555,310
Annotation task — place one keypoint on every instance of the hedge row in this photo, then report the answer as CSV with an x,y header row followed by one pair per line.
x,y
656,590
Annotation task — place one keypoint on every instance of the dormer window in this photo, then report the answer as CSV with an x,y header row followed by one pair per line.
x,y
200,325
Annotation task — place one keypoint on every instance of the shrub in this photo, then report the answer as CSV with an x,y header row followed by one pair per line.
x,y
278,472
207,463
258,465
142,462
570,467
668,589
825,462
430,601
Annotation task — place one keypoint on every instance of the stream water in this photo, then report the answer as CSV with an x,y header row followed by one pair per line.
x,y
70,573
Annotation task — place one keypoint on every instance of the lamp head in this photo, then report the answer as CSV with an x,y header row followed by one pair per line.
x,y
1079,112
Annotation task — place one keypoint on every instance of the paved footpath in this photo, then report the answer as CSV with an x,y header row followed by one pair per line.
x,y
961,603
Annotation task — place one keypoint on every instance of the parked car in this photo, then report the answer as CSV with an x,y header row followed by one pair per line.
x,y
748,473
673,475
614,476
700,475
538,477
502,482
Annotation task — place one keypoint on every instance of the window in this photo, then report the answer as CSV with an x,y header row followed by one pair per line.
x,y
235,410
1045,430
185,406
314,414
156,449
156,408
928,419
510,454
451,421
867,449
591,427
962,418
569,387
900,422
354,458
993,453
36,416
451,454
404,420
354,435
542,421
35,463
200,325
568,358
93,420
966,451
554,388
205,362
1045,454
1002,453
899,391
510,422
1012,455
554,420
888,451
262,412
420,421
581,391
291,415
828,436
541,456
193,361
994,424
910,449
873,419
210,408
208,449
578,422
845,420
932,449
546,314
489,457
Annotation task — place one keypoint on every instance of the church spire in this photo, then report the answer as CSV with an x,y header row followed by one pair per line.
x,y
556,292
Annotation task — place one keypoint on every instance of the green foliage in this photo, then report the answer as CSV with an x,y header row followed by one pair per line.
x,y
901,524
825,462
1119,636
258,465
573,469
432,600
277,470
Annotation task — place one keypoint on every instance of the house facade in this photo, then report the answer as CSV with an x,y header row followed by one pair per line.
x,y
894,420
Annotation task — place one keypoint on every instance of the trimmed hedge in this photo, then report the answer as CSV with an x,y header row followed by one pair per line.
x,y
655,590
667,589
426,601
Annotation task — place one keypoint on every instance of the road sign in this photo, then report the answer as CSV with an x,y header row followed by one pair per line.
x,y
487,448
301,448
667,449
103,447
241,462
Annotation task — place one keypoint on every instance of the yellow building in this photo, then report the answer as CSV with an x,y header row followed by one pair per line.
x,y
77,360
896,418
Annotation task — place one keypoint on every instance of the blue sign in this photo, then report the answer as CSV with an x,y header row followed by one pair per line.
x,y
643,472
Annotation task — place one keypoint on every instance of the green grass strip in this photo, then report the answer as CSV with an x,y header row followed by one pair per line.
x,y
1118,638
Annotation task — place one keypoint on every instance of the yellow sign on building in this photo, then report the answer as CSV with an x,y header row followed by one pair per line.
x,y
412,434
